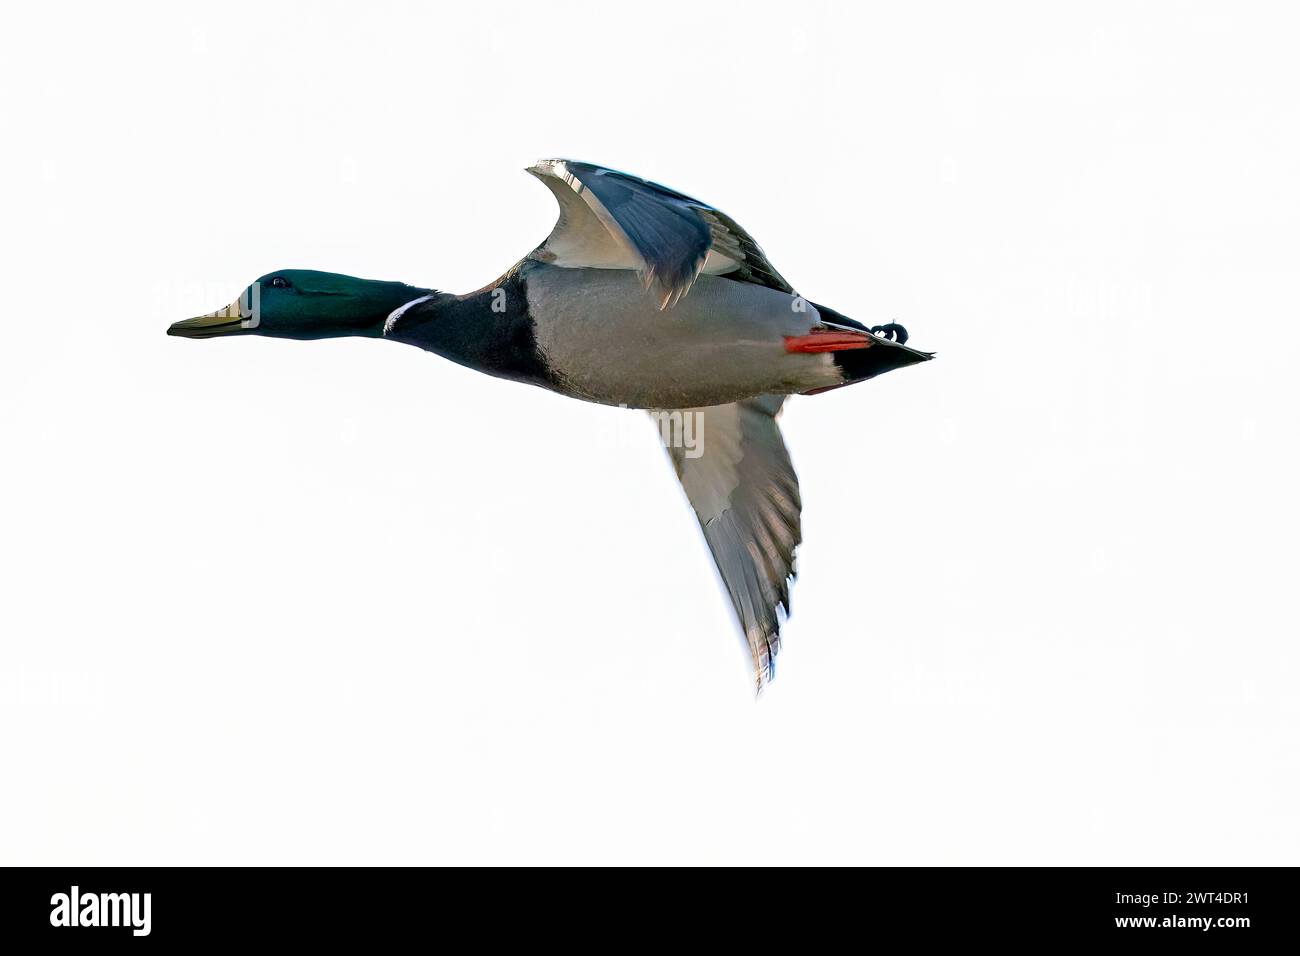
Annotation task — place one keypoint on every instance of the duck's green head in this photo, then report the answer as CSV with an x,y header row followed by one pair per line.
x,y
302,304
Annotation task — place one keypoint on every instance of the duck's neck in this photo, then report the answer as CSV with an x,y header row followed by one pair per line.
x,y
489,330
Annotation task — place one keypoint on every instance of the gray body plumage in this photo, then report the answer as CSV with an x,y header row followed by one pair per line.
x,y
608,342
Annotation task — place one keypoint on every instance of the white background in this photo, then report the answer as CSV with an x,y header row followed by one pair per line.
x,y
343,602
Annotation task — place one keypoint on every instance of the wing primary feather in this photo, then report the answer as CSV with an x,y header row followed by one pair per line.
x,y
745,494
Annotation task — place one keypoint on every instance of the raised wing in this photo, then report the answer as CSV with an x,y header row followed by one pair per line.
x,y
611,220
746,496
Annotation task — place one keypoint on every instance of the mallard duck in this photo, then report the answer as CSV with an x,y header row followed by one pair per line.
x,y
640,297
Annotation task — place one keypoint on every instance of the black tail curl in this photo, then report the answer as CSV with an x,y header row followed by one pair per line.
x,y
858,365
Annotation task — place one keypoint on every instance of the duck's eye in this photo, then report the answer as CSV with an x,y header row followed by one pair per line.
x,y
279,282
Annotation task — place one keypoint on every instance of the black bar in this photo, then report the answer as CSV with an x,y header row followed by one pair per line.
x,y
1228,907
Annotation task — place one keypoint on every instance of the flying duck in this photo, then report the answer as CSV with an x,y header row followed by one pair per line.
x,y
640,297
